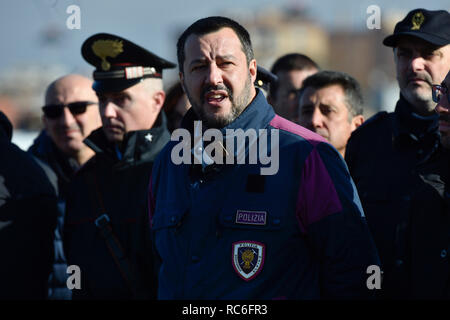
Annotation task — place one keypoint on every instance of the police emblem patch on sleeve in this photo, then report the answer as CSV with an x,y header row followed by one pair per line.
x,y
248,258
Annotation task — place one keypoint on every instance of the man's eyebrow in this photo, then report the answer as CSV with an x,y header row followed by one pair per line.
x,y
198,60
203,59
328,105
227,57
307,105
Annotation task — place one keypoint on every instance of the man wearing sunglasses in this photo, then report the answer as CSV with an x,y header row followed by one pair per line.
x,y
107,230
70,115
391,152
442,97
429,265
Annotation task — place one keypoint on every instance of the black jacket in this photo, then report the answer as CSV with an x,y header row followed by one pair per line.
x,y
27,220
428,237
64,169
118,188
387,158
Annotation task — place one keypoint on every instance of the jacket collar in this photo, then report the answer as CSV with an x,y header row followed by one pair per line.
x,y
411,124
45,149
256,115
411,129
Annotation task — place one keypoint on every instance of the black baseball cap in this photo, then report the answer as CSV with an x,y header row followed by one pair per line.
x,y
120,63
431,26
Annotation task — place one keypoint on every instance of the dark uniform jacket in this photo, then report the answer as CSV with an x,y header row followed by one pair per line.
x,y
27,221
385,157
64,167
229,232
118,188
428,237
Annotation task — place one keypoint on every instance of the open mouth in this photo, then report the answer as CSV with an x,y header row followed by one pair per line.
x,y
215,97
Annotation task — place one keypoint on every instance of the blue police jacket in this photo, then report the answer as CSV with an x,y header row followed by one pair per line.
x,y
226,231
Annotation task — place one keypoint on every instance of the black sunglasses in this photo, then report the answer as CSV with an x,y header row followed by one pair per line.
x,y
438,91
53,111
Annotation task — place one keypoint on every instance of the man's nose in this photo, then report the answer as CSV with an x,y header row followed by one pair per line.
x,y
67,117
109,110
417,63
317,118
214,76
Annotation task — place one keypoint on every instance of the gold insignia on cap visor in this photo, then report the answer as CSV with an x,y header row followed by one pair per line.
x,y
107,48
417,20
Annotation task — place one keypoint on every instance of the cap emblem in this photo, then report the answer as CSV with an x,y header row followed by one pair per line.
x,y
417,20
107,48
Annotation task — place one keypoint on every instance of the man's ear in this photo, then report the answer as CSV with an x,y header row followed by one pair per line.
x,y
357,121
253,69
158,97
181,75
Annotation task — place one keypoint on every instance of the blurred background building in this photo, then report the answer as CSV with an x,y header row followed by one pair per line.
x,y
38,47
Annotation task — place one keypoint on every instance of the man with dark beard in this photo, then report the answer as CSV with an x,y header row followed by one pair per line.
x,y
296,233
386,154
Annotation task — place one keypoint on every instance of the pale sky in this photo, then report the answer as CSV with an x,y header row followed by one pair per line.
x,y
153,24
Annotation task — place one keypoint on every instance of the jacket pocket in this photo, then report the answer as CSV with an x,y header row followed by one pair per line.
x,y
168,217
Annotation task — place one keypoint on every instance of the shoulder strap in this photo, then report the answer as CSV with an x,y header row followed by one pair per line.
x,y
113,244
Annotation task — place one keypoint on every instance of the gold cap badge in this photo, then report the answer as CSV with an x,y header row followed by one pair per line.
x,y
417,20
107,48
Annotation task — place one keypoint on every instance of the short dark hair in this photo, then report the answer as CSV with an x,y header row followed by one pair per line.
x,y
212,24
293,61
351,87
289,62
